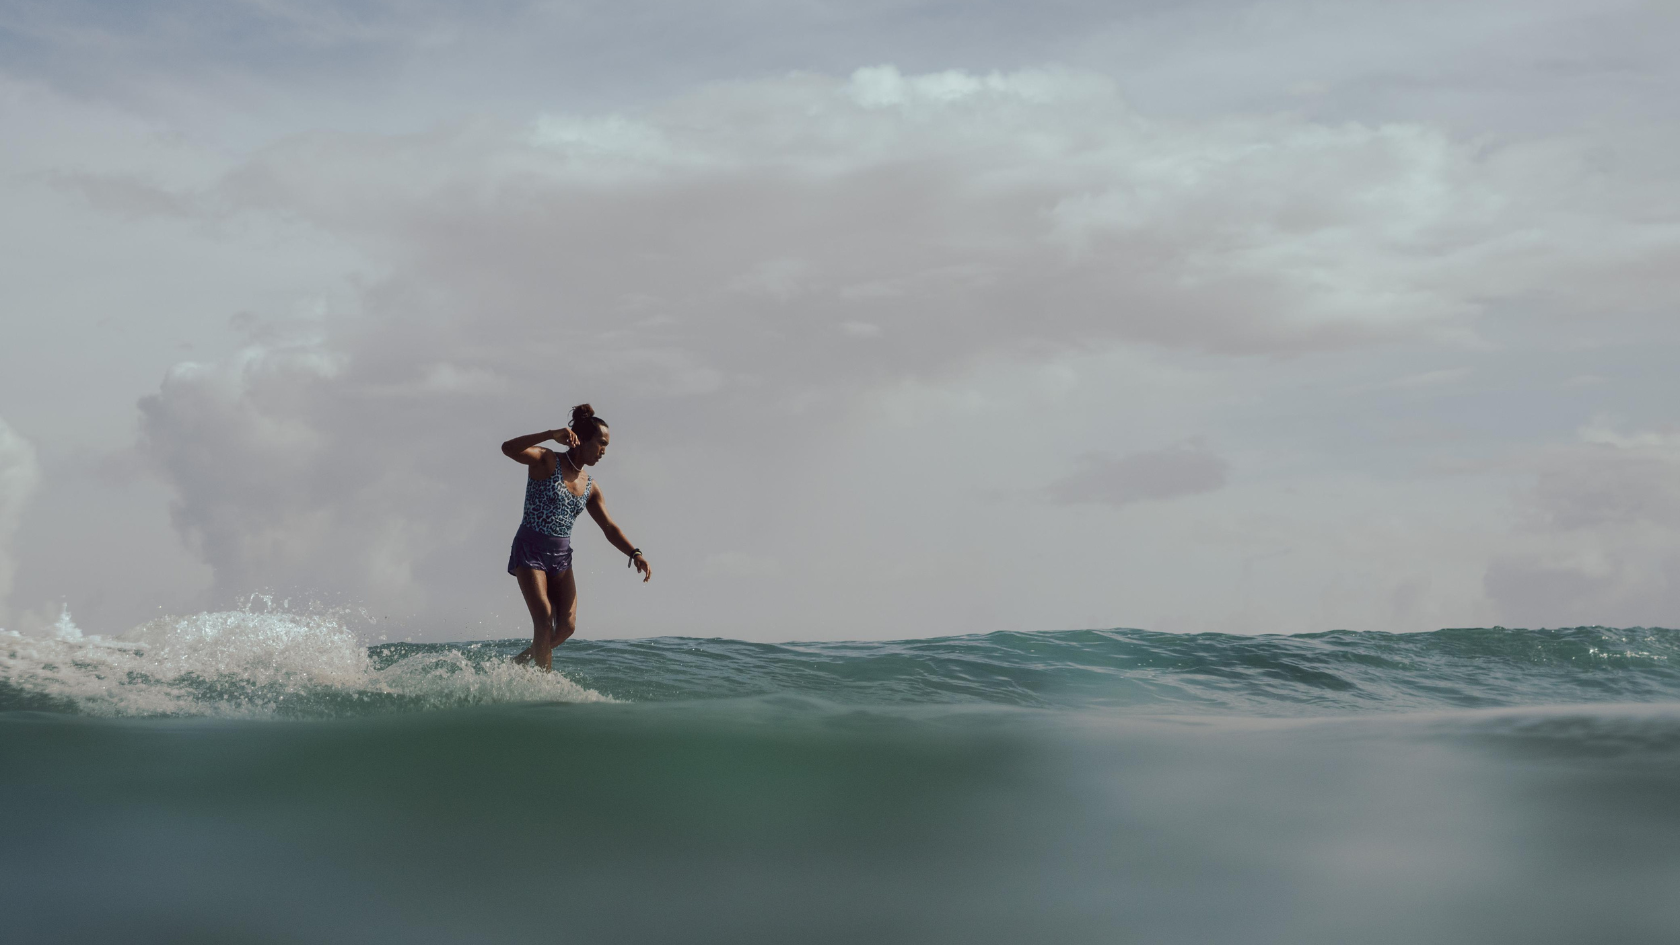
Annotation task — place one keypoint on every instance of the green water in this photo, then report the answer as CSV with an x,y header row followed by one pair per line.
x,y
265,778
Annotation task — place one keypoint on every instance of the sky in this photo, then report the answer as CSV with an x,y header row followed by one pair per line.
x,y
908,318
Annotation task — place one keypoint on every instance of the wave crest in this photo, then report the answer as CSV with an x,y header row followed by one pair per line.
x,y
253,664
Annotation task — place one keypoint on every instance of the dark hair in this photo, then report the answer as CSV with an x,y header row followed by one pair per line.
x,y
585,424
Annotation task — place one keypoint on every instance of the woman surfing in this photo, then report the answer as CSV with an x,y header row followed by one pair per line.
x,y
556,490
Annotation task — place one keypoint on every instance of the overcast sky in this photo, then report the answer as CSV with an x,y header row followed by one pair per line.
x,y
909,318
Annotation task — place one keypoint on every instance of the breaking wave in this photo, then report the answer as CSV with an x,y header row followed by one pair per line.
x,y
255,664
277,664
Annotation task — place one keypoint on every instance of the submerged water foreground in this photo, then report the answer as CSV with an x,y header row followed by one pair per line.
x,y
264,778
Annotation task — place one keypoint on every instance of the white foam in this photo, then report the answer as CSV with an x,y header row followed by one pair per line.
x,y
245,663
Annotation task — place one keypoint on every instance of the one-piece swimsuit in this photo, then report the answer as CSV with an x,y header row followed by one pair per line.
x,y
544,539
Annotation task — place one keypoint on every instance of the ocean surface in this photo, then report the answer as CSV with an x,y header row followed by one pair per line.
x,y
265,777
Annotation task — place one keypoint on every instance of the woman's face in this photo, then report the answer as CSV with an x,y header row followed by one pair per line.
x,y
592,451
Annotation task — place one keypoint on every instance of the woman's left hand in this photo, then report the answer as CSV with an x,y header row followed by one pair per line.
x,y
641,565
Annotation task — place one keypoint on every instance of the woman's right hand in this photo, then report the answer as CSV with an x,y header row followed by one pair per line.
x,y
564,436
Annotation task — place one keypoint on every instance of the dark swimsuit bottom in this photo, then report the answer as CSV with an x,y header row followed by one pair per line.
x,y
532,549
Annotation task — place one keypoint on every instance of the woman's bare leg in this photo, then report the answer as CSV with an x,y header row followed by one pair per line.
x,y
534,585
562,600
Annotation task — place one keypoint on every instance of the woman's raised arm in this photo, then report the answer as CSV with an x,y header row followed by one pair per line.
x,y
524,449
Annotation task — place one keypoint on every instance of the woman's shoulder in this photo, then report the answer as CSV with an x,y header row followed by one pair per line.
x,y
545,467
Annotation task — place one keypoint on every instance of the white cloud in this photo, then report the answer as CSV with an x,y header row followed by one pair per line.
x,y
968,213
1601,541
276,493
445,223
708,267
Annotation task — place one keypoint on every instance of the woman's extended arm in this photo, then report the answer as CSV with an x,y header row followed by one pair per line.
x,y
598,511
523,449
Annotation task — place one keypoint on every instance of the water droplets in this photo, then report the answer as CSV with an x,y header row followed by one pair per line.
x,y
248,663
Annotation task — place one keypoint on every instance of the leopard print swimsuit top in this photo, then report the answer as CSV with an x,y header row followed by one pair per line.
x,y
550,508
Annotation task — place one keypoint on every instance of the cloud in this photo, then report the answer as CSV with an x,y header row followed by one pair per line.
x,y
290,478
1606,486
20,474
732,233
1141,477
446,223
734,269
1601,536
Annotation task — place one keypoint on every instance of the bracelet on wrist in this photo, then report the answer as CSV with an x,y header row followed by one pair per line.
x,y
634,554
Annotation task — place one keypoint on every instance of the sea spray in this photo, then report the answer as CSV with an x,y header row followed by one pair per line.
x,y
250,664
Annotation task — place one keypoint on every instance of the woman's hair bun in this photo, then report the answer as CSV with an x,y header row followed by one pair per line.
x,y
584,422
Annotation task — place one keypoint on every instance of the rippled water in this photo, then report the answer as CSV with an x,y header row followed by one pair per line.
x,y
264,777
